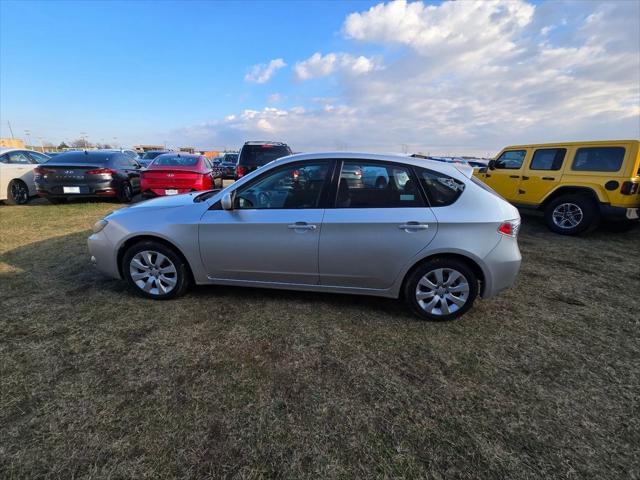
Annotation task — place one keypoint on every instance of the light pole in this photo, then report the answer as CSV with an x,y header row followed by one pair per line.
x,y
28,135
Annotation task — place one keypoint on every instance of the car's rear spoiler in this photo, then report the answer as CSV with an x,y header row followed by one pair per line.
x,y
466,170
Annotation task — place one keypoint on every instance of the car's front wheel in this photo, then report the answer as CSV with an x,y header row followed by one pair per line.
x,y
18,193
441,289
155,270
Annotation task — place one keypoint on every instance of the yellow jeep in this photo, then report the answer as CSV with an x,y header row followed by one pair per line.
x,y
576,184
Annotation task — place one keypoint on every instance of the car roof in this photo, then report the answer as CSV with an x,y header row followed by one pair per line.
x,y
443,167
265,142
180,154
5,150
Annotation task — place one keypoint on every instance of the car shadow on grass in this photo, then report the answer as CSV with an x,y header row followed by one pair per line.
x,y
59,268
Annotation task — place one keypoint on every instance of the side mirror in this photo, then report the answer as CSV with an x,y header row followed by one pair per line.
x,y
227,201
492,165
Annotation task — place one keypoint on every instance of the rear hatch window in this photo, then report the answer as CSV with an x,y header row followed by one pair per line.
x,y
175,161
259,155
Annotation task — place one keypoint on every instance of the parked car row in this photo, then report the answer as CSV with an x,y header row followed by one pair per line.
x,y
576,184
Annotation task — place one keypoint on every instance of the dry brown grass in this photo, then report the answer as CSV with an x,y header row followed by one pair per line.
x,y
95,382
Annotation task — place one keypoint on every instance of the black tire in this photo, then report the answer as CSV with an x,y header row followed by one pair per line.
x,y
413,287
182,273
580,208
17,193
125,195
57,200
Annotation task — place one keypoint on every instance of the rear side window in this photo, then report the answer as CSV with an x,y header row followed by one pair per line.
x,y
548,159
598,159
260,155
377,185
511,159
441,189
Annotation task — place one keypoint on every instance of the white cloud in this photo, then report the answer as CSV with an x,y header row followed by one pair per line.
x,y
321,66
275,98
462,77
261,73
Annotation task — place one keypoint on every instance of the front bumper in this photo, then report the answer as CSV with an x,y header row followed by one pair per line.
x,y
103,254
501,267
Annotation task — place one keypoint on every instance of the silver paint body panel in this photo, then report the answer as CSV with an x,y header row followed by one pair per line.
x,y
357,251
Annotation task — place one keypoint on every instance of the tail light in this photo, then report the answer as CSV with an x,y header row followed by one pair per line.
x,y
241,171
42,170
100,171
629,188
509,228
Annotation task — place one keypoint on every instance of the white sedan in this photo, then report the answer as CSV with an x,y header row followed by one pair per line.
x,y
16,174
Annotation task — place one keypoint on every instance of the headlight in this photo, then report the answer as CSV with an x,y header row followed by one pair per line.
x,y
99,225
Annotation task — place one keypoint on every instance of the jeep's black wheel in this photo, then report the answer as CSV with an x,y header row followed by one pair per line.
x,y
572,214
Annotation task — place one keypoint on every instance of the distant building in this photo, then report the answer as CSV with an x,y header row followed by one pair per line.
x,y
146,148
12,143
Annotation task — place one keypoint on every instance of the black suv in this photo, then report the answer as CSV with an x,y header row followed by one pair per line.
x,y
257,154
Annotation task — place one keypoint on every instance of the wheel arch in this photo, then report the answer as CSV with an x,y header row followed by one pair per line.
x,y
470,262
129,242
570,190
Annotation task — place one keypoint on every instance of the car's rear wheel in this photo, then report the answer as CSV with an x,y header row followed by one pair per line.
x,y
155,271
17,193
125,194
441,289
571,214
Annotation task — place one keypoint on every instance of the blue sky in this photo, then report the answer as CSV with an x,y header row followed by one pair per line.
x,y
357,74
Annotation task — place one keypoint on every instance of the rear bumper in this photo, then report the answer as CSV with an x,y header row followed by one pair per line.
x,y
99,189
619,213
501,267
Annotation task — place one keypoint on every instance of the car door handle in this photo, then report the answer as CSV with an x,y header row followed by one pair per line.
x,y
301,226
514,176
548,178
413,226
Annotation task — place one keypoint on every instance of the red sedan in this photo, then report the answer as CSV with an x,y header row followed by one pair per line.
x,y
175,173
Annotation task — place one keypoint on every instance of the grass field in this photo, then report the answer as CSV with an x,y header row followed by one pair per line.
x,y
541,382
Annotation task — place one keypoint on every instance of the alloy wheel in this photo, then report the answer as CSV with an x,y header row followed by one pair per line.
x,y
442,291
19,192
153,272
567,215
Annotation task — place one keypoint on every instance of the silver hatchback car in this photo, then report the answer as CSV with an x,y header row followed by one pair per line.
x,y
358,223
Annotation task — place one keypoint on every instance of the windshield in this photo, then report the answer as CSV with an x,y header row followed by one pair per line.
x,y
262,154
151,155
175,161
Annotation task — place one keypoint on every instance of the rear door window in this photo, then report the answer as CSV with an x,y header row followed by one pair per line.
x,y
39,157
260,155
511,159
19,158
598,159
377,185
441,189
548,159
